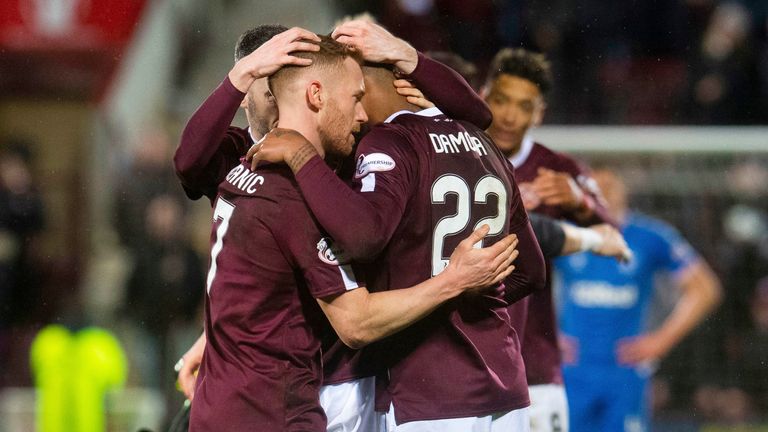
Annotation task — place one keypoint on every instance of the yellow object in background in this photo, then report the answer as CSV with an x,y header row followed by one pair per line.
x,y
73,373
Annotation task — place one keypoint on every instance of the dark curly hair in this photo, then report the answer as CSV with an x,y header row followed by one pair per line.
x,y
522,63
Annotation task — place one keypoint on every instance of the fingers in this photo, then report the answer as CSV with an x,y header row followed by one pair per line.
x,y
402,83
293,60
545,171
349,41
409,91
503,275
476,236
187,379
508,259
300,33
302,46
253,155
349,28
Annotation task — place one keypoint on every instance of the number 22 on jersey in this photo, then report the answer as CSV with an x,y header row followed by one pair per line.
x,y
223,211
452,184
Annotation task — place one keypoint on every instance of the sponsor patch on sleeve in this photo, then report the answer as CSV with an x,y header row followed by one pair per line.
x,y
330,253
374,162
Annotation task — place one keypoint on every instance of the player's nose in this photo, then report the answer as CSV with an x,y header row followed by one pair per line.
x,y
360,115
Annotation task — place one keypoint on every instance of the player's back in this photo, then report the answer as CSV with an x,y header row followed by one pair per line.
x,y
261,368
464,359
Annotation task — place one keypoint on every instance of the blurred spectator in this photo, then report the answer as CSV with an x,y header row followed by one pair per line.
x,y
166,284
21,219
724,76
150,174
164,292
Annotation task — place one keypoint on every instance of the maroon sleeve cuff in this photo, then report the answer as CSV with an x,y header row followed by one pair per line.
x,y
230,88
450,92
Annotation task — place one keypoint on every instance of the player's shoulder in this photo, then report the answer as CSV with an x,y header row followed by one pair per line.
x,y
240,134
270,181
387,137
651,226
543,152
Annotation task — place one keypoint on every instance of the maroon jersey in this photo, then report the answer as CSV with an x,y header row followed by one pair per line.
x,y
209,146
540,348
425,182
269,261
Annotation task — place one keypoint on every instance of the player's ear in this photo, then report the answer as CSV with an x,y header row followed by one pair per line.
x,y
244,102
315,95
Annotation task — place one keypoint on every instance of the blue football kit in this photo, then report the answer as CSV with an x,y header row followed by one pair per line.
x,y
602,302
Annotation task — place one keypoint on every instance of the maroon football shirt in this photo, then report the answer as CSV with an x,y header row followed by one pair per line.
x,y
269,261
540,348
424,183
209,146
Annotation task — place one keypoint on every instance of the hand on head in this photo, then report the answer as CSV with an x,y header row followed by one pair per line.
x,y
375,44
412,94
272,55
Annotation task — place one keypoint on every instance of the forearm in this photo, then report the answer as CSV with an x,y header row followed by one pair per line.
x,y
204,131
550,234
701,294
450,92
530,270
363,232
381,314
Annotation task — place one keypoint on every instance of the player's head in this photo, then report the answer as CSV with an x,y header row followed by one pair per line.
x,y
614,191
259,105
323,99
517,83
381,98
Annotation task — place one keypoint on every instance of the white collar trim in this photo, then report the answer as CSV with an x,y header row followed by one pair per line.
x,y
519,158
429,112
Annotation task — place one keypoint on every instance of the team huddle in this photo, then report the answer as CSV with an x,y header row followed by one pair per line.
x,y
382,244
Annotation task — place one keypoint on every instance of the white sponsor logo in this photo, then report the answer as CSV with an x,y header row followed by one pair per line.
x,y
598,294
374,162
330,253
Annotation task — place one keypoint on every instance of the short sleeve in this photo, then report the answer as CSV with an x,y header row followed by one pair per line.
x,y
674,252
386,168
322,263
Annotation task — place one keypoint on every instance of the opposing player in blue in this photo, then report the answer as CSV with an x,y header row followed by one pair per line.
x,y
607,356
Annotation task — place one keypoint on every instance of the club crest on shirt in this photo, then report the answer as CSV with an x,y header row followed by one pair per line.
x,y
374,162
330,253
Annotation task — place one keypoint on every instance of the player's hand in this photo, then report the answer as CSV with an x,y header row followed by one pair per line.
x,y
644,348
282,146
613,243
558,189
478,268
188,365
377,45
272,55
412,94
